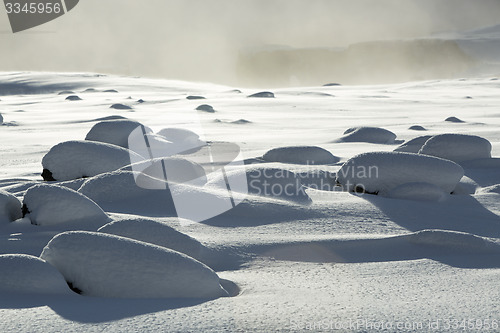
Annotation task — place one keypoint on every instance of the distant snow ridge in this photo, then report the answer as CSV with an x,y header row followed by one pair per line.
x,y
417,192
97,264
457,147
115,132
27,274
268,182
414,145
10,207
381,172
369,135
450,239
78,159
51,204
309,155
158,233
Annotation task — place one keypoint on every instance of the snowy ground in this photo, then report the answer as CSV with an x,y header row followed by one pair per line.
x,y
346,262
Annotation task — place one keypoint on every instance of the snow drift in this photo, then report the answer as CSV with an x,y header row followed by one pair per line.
x,y
383,171
52,204
78,159
21,273
10,207
308,155
102,265
457,147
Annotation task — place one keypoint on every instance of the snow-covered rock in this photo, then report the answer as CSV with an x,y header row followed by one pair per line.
x,y
10,207
154,232
383,171
129,192
309,155
22,273
115,132
457,147
414,145
79,159
52,204
368,134
265,181
102,265
417,191
173,169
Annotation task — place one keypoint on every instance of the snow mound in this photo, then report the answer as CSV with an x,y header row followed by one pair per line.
x,y
102,265
27,274
262,94
309,155
52,204
417,128
454,120
457,147
119,106
194,97
115,132
383,171
10,207
156,233
119,191
178,135
417,191
78,159
414,145
265,181
368,134
206,108
173,169
73,98
449,239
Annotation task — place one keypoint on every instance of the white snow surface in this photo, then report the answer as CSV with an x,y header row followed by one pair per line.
x,y
417,191
457,147
342,258
105,265
381,172
76,159
10,207
25,274
52,204
308,155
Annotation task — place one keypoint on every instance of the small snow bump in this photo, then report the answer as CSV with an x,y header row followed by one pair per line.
x,y
119,106
66,92
263,94
454,120
194,97
417,128
205,108
73,98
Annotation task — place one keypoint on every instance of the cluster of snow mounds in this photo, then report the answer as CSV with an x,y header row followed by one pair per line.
x,y
457,147
381,172
265,181
10,207
115,132
51,204
369,135
27,274
129,192
173,169
309,155
417,192
79,159
154,232
102,265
